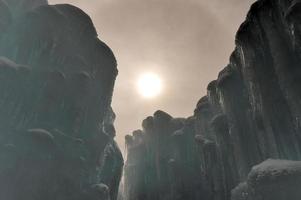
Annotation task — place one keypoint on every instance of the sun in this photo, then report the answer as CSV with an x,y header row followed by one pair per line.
x,y
149,85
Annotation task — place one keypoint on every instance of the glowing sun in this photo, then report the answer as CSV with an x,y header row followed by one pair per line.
x,y
149,85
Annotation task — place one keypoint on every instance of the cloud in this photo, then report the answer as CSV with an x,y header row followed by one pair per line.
x,y
187,42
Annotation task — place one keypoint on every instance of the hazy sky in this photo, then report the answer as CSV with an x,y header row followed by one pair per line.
x,y
186,42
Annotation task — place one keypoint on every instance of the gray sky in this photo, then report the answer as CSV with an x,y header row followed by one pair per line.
x,y
186,42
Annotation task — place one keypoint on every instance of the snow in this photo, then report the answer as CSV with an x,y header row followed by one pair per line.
x,y
241,192
273,170
271,180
